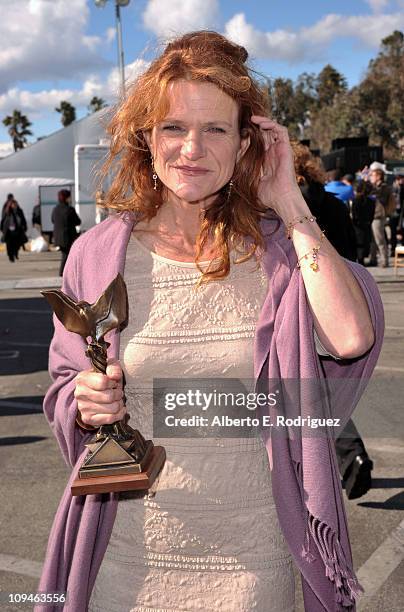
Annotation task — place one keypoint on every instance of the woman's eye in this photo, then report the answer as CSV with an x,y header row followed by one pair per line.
x,y
217,130
177,128
172,128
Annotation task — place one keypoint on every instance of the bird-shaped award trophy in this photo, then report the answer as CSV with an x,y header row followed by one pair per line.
x,y
118,458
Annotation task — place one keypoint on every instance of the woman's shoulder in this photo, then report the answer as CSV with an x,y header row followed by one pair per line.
x,y
96,257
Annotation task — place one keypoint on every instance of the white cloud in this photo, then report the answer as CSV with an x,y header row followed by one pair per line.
x,y
6,148
178,16
34,104
368,29
46,39
378,6
276,45
309,43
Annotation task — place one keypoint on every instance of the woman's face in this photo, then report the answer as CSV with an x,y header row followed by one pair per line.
x,y
375,177
198,144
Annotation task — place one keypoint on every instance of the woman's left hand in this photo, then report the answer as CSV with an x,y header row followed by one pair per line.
x,y
278,179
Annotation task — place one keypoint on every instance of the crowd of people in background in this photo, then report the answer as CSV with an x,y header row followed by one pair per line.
x,y
376,209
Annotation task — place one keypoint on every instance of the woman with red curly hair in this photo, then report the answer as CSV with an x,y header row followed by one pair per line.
x,y
229,277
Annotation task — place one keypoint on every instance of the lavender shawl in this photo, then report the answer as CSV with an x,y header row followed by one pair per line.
x,y
306,484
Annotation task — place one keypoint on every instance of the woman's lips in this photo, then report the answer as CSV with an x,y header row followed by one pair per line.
x,y
189,171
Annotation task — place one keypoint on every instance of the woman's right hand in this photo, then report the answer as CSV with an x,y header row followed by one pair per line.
x,y
100,396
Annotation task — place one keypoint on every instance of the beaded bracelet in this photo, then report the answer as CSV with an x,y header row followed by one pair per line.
x,y
297,220
314,254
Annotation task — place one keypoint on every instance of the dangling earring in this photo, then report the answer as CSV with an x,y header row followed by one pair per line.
x,y
154,175
229,190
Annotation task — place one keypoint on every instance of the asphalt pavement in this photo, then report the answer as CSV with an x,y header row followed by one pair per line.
x,y
34,474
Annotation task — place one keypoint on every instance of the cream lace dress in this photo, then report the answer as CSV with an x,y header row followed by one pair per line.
x,y
206,536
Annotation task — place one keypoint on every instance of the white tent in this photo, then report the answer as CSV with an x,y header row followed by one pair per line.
x,y
49,161
53,156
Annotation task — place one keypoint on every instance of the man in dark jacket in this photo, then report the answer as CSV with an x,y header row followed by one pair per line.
x,y
363,211
382,194
64,219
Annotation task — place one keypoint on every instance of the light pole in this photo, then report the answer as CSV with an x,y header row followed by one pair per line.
x,y
118,24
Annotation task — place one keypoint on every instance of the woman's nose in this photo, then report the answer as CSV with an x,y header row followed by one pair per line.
x,y
192,146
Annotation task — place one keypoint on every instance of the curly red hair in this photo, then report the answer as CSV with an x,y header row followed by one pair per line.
x,y
201,56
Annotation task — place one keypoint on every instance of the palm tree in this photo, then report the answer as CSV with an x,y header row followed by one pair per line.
x,y
96,104
18,125
68,113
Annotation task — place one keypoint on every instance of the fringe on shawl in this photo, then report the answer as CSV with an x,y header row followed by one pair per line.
x,y
337,569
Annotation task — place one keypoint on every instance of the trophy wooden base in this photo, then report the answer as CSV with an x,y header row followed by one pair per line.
x,y
124,482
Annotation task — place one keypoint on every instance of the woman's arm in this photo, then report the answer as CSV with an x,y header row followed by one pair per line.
x,y
340,312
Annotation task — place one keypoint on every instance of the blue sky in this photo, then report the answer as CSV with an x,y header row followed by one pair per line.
x,y
66,49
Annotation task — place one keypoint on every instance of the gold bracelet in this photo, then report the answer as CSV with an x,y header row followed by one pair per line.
x,y
82,425
314,254
297,220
